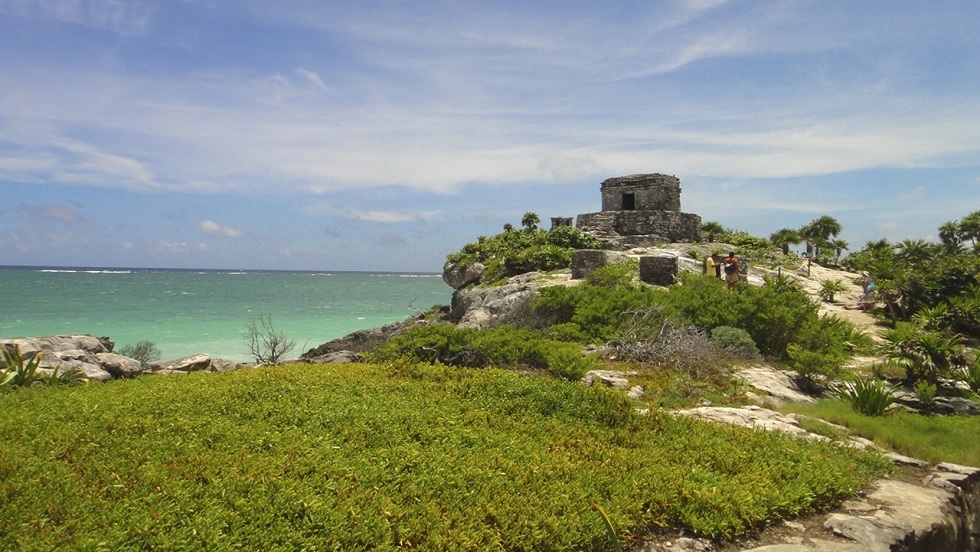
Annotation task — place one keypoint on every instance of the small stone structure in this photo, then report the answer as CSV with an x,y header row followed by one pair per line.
x,y
557,222
641,210
658,270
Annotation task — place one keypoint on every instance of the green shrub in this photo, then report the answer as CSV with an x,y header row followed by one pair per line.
x,y
515,252
815,368
567,361
924,354
735,341
869,396
615,275
600,312
925,391
501,347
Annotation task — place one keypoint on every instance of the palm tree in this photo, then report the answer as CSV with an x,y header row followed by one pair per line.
x,y
783,238
970,227
839,246
821,230
508,228
913,251
949,233
825,227
530,221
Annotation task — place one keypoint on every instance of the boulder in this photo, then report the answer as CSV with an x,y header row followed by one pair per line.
x,y
193,363
119,366
358,342
458,276
477,307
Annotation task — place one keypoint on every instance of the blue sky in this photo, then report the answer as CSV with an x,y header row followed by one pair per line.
x,y
329,135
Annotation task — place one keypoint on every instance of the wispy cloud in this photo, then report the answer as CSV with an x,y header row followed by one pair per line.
x,y
52,213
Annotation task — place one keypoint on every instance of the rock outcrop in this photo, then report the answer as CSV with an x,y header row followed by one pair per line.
x,y
92,358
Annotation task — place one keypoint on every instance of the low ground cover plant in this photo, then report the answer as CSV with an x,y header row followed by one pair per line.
x,y
931,438
399,455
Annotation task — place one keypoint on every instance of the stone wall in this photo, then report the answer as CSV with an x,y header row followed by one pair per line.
x,y
641,228
650,192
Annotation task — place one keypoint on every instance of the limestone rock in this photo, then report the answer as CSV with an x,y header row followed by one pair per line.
x,y
119,366
193,363
777,385
457,276
358,342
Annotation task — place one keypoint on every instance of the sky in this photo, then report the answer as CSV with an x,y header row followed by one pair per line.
x,y
383,136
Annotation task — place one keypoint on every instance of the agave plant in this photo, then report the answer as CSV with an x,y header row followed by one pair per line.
x,y
869,396
19,371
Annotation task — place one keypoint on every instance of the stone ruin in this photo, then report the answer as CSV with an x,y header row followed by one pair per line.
x,y
641,210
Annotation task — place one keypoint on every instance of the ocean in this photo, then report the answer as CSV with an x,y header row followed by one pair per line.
x,y
187,312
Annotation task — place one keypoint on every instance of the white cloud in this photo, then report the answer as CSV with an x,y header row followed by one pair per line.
x,y
212,228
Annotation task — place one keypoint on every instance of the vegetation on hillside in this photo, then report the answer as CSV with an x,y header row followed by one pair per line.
x,y
528,249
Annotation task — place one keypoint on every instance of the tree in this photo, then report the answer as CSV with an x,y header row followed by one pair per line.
x,y
265,344
970,227
839,246
949,233
913,251
143,351
783,238
530,221
508,227
712,230
821,230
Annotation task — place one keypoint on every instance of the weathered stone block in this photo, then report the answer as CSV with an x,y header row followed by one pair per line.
x,y
659,271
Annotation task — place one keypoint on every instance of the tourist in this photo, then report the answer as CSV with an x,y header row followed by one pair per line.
x,y
709,265
867,286
731,269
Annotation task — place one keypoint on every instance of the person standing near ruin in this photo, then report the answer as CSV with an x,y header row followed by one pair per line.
x,y
731,270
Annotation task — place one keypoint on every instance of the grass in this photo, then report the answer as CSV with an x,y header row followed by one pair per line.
x,y
386,457
931,438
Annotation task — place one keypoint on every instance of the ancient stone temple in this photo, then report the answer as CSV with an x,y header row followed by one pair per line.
x,y
641,210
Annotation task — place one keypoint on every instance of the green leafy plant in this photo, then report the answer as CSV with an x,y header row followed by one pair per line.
x,y
511,252
830,288
869,396
924,354
735,341
925,391
19,371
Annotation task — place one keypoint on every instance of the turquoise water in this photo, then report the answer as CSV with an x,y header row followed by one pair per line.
x,y
187,312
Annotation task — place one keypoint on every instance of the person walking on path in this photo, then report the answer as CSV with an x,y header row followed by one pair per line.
x,y
731,270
